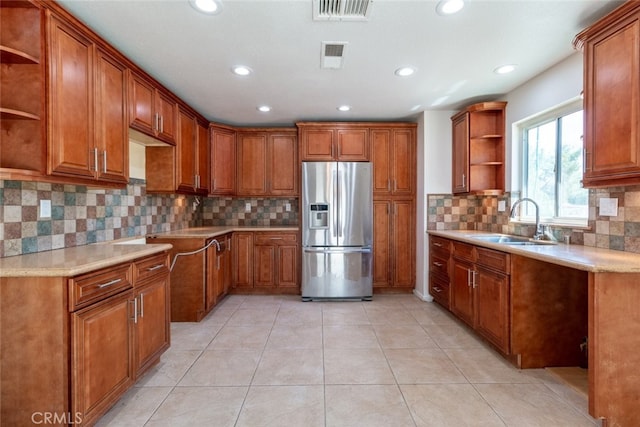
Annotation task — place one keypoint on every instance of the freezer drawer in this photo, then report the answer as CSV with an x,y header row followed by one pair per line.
x,y
337,273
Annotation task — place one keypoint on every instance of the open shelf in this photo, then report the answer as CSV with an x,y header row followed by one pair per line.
x,y
13,56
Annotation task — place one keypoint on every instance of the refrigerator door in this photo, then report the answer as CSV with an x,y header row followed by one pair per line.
x,y
319,203
337,273
355,204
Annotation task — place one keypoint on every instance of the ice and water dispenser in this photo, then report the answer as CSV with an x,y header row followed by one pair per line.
x,y
318,215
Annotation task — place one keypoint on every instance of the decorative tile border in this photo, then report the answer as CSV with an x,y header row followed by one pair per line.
x,y
82,215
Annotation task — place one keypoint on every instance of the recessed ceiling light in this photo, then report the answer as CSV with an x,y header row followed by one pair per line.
x,y
264,108
449,7
505,69
210,7
241,70
405,71
344,108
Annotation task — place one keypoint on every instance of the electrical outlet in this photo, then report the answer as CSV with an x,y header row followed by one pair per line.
x,y
502,206
247,207
45,209
287,207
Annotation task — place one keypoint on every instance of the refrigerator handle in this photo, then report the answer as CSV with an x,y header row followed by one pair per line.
x,y
334,208
338,250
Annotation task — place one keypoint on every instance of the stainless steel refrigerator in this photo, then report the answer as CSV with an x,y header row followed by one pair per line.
x,y
337,230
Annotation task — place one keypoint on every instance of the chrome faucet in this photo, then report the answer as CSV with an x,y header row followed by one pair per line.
x,y
538,234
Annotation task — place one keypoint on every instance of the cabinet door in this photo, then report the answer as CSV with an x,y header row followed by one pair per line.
x,y
167,110
403,228
612,105
460,167
111,123
492,307
381,159
283,165
142,105
265,265
381,243
101,346
242,260
353,145
152,322
186,152
403,162
223,161
202,164
252,164
317,144
461,291
288,266
71,100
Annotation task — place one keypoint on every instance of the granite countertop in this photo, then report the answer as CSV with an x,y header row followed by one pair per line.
x,y
213,231
76,260
597,260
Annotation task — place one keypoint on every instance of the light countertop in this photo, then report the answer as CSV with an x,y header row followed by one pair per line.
x,y
208,232
580,257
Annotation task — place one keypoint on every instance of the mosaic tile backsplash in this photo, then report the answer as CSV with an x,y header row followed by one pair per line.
x,y
82,215
621,232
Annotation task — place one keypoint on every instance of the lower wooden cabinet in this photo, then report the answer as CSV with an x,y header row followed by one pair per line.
x,y
81,341
266,262
439,275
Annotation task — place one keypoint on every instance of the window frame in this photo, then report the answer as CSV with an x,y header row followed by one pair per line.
x,y
550,115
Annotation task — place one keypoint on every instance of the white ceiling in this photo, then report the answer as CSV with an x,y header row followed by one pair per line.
x,y
192,53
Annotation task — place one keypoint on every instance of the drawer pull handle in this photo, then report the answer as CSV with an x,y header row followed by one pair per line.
x,y
438,264
109,283
276,238
155,267
437,289
437,244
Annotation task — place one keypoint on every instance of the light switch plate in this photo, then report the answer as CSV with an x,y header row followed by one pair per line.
x,y
608,207
247,207
287,207
502,206
45,209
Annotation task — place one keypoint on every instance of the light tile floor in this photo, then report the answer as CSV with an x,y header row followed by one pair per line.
x,y
394,361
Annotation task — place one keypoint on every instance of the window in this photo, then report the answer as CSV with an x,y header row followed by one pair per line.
x,y
552,166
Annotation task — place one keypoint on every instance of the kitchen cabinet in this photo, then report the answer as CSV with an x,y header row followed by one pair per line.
x,y
394,158
478,159
334,141
22,104
87,128
394,245
480,291
194,277
223,161
267,163
612,98
276,260
242,260
100,330
439,274
152,111
224,270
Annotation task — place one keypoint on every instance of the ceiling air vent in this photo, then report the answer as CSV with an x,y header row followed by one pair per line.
x,y
341,10
332,54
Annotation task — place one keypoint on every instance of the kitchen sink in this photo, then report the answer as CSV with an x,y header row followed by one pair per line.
x,y
512,240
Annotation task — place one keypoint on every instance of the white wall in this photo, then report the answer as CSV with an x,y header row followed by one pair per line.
x,y
555,86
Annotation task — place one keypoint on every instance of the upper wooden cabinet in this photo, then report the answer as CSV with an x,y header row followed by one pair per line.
x,y
267,163
151,110
87,128
22,100
612,98
478,135
394,160
223,160
334,141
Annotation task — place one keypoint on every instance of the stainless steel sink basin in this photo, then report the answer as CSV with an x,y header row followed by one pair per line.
x,y
512,240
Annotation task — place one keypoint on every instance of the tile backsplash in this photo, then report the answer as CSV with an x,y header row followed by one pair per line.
x,y
82,215
621,232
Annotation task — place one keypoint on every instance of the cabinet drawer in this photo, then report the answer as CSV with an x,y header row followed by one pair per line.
x,y
276,238
439,289
439,244
151,266
439,264
495,260
95,286
463,251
